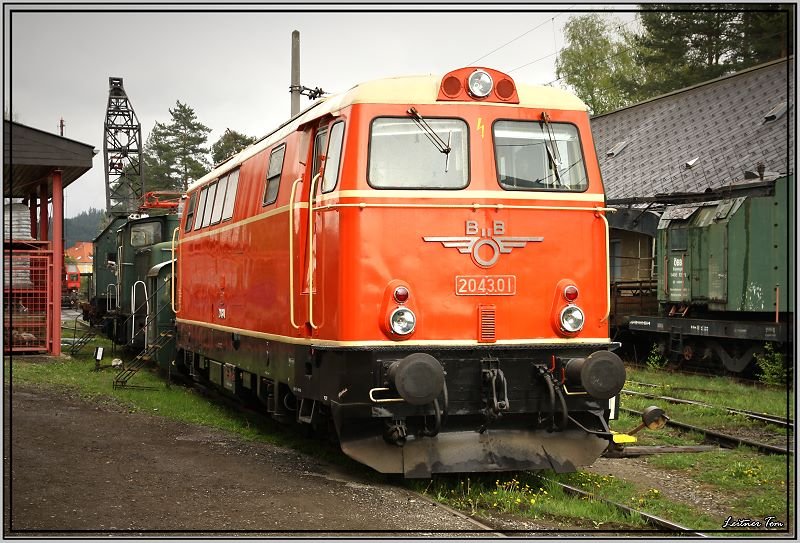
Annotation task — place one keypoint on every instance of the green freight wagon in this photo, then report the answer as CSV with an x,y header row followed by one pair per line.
x,y
726,277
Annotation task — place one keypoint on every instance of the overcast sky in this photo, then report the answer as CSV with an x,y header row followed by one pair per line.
x,y
233,68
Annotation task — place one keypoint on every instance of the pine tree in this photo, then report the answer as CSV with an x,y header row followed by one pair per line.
x,y
174,153
685,44
230,143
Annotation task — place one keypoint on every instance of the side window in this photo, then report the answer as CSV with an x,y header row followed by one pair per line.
x,y
145,234
190,212
230,195
216,213
274,174
330,175
319,146
201,206
212,192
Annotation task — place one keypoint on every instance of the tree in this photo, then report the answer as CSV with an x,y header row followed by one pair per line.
x,y
83,227
765,33
230,143
598,64
174,153
686,44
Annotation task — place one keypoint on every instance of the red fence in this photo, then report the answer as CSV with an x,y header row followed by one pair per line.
x,y
28,297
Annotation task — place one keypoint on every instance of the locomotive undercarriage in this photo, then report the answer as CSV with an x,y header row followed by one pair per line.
x,y
491,409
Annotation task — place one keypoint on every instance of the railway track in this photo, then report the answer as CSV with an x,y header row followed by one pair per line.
x,y
723,440
761,417
483,529
657,523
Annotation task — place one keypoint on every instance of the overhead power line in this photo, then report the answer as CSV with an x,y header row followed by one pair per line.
x,y
515,39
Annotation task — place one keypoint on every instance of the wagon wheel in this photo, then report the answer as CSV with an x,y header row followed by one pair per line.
x,y
688,353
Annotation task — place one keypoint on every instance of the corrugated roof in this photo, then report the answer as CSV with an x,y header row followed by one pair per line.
x,y
717,127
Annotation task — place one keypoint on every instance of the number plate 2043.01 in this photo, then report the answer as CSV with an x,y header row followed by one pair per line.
x,y
486,285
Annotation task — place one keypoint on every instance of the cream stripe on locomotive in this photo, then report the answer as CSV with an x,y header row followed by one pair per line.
x,y
386,343
444,194
418,194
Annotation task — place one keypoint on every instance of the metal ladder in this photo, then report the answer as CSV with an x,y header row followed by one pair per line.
x,y
150,350
147,355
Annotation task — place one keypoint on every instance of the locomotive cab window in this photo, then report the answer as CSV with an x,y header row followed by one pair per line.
x,y
274,175
190,212
330,175
145,234
319,147
219,200
531,155
212,192
406,153
201,206
230,195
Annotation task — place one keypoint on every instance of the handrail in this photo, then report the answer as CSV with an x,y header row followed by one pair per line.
x,y
172,274
133,310
108,298
311,198
147,301
291,252
117,273
608,267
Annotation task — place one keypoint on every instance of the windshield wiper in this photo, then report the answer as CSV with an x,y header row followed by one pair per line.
x,y
552,153
441,145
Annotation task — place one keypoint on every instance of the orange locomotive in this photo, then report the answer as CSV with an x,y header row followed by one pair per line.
x,y
419,263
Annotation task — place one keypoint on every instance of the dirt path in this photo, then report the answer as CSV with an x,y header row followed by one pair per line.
x,y
77,466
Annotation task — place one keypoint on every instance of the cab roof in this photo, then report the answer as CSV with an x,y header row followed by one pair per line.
x,y
415,89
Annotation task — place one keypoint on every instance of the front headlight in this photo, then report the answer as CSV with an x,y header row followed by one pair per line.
x,y
571,318
402,321
480,83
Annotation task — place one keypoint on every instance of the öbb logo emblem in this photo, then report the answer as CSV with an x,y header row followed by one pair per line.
x,y
476,238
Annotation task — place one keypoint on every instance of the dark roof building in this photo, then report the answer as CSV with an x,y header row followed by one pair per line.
x,y
703,138
30,155
37,166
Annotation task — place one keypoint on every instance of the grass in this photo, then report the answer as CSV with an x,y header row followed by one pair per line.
x,y
537,497
714,390
754,485
75,375
524,494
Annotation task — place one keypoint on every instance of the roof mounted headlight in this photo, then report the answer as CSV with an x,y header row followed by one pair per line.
x,y
479,83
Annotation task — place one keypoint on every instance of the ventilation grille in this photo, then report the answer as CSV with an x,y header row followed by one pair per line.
x,y
486,324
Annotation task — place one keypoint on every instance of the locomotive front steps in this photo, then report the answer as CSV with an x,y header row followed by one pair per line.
x,y
147,355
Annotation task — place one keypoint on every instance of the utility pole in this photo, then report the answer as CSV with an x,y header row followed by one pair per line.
x,y
295,88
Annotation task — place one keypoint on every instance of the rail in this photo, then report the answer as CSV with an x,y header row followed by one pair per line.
x,y
311,262
291,252
148,321
652,520
724,440
761,417
134,310
172,274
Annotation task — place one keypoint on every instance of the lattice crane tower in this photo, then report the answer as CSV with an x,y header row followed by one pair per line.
x,y
122,152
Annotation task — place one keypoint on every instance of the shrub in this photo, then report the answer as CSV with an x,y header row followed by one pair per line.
x,y
772,364
656,359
